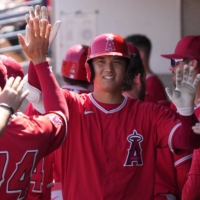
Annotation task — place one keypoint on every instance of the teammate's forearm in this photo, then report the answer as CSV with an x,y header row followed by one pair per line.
x,y
52,94
32,76
182,175
184,137
191,188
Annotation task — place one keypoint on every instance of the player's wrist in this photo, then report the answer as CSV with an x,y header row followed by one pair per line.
x,y
186,111
7,107
39,61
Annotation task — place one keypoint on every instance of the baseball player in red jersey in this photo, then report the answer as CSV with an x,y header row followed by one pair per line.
x,y
167,175
9,67
109,153
74,74
42,177
29,135
73,69
10,100
191,189
187,51
137,76
154,86
34,137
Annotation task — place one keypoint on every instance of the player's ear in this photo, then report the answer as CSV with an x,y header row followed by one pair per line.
x,y
193,63
137,79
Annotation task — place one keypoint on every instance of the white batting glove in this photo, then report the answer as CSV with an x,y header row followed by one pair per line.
x,y
184,94
41,13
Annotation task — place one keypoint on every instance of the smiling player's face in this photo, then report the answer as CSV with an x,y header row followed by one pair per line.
x,y
109,72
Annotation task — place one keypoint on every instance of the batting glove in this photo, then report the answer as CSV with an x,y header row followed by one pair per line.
x,y
184,94
41,13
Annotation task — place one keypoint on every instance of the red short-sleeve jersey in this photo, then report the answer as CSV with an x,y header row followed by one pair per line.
x,y
111,154
25,141
171,170
191,189
42,178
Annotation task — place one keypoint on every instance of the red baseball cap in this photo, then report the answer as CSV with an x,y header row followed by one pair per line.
x,y
9,67
3,72
187,47
132,49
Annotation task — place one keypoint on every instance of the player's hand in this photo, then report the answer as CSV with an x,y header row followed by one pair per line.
x,y
12,93
184,94
37,47
42,14
196,128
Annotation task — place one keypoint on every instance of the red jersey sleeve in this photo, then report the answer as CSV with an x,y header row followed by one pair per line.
x,y
182,165
191,189
41,77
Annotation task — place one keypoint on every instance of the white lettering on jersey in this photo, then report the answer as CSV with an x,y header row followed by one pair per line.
x,y
20,178
3,165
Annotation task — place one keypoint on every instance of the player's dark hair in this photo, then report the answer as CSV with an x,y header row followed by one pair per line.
x,y
142,42
85,84
91,70
136,67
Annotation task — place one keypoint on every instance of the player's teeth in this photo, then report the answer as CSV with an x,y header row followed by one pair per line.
x,y
108,77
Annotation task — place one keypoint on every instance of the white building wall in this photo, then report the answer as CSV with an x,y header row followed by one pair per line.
x,y
158,19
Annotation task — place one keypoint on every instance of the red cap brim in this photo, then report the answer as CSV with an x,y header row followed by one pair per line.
x,y
108,54
172,56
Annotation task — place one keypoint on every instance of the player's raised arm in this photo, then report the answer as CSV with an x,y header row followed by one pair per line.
x,y
36,50
183,98
10,100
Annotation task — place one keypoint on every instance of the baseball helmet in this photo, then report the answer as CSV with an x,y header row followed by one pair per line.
x,y
104,45
9,67
132,49
73,65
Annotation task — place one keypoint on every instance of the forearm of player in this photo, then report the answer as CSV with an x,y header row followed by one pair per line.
x,y
32,76
191,188
184,138
182,171
53,97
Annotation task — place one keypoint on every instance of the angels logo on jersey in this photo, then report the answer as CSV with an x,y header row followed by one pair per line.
x,y
110,44
135,151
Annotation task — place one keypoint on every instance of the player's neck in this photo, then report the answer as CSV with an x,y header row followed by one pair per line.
x,y
108,97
